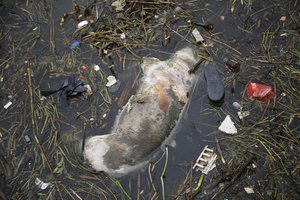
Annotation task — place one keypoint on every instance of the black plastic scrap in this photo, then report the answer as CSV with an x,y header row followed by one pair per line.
x,y
69,87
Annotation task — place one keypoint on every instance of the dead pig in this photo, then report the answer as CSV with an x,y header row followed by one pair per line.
x,y
148,118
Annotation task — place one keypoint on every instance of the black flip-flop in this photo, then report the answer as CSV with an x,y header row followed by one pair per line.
x,y
215,88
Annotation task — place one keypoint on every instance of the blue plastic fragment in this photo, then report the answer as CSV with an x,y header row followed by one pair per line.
x,y
75,44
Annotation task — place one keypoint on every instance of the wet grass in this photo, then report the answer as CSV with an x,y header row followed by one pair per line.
x,y
263,155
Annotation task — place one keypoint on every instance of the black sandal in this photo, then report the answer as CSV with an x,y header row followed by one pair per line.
x,y
215,88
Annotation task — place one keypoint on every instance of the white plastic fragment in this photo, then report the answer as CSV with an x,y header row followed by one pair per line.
x,y
43,98
88,91
8,105
236,105
282,18
249,190
173,144
82,23
283,94
243,114
42,185
206,160
105,51
119,5
198,37
283,35
96,67
227,126
111,80
27,138
122,36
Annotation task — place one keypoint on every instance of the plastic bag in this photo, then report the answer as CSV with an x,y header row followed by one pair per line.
x,y
260,91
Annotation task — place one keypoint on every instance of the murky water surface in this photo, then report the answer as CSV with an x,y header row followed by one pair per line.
x,y
239,31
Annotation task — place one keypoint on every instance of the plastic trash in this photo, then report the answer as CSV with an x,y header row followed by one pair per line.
x,y
82,24
6,106
41,184
113,84
123,36
96,67
249,190
119,5
198,37
88,92
236,105
75,44
233,65
243,114
215,88
111,80
206,160
227,126
83,68
27,138
260,91
69,87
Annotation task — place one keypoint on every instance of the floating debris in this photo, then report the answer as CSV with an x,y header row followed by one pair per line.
x,y
27,138
236,105
198,37
42,185
70,87
113,84
123,36
243,114
96,67
233,65
88,91
215,88
227,126
260,91
111,80
119,5
249,190
83,68
178,10
282,18
82,24
75,44
206,160
6,106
